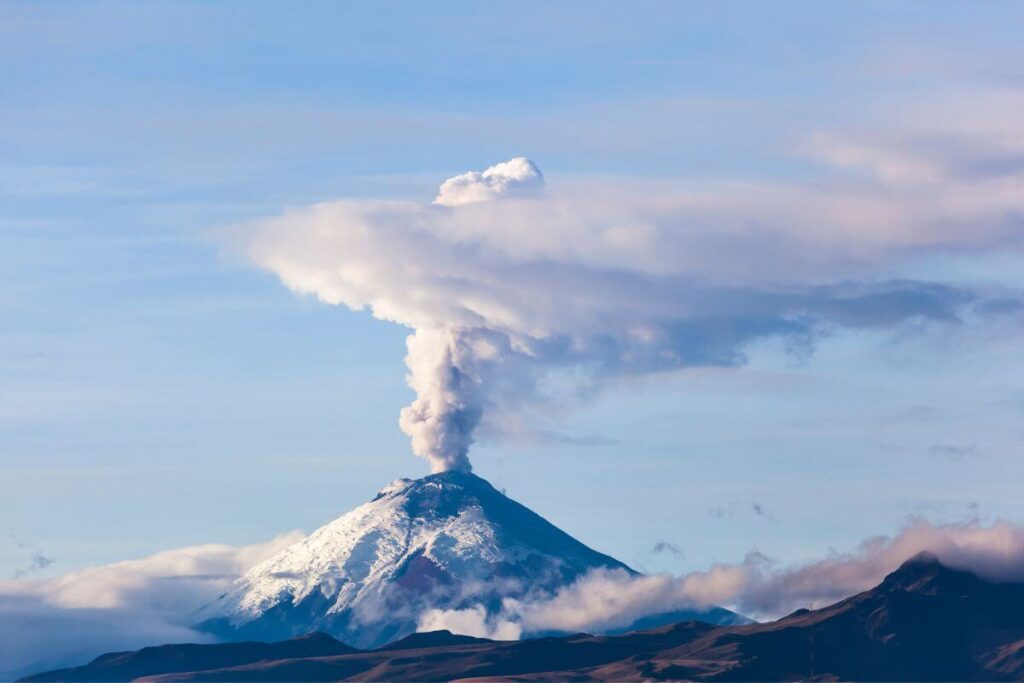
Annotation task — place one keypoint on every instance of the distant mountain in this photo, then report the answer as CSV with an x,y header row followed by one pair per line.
x,y
924,622
448,540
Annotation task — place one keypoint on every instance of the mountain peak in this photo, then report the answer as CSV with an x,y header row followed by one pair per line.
x,y
915,571
435,542
451,478
925,558
925,573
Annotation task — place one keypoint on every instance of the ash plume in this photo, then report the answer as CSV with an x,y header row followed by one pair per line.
x,y
507,282
444,373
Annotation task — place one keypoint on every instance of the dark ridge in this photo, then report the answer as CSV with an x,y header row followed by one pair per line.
x,y
164,659
443,638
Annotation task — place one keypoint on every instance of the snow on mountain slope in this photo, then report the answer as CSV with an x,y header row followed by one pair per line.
x,y
446,540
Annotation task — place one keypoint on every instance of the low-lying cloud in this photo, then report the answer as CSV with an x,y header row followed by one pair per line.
x,y
604,600
131,604
126,605
994,552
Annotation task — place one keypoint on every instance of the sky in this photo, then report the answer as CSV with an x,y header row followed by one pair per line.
x,y
161,386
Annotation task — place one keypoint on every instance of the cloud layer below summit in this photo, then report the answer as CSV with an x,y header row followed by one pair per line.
x,y
150,600
71,618
758,587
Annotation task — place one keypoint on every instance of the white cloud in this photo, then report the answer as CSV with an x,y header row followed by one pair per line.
x,y
995,552
518,177
125,605
605,600
472,621
175,581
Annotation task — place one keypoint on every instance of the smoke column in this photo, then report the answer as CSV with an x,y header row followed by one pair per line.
x,y
443,363
448,405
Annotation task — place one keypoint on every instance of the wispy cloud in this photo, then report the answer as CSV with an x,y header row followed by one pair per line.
x,y
954,452
663,547
737,507
35,560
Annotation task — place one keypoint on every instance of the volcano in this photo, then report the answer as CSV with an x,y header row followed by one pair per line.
x,y
446,541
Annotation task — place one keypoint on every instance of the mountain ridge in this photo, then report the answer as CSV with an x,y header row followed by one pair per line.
x,y
924,622
186,657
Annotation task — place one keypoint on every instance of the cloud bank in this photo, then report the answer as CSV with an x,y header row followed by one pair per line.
x,y
606,600
507,282
72,618
132,604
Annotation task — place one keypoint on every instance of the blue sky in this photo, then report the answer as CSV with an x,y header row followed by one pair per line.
x,y
158,390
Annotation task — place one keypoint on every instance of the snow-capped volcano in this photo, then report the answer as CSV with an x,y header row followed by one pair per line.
x,y
447,540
